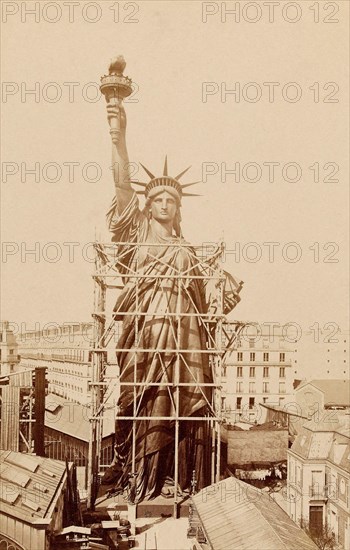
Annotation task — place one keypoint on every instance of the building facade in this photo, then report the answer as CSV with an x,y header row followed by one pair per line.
x,y
318,486
258,372
65,351
8,349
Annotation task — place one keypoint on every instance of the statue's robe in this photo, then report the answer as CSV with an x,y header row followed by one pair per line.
x,y
156,336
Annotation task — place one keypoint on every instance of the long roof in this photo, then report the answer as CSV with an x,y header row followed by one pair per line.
x,y
73,418
238,516
28,485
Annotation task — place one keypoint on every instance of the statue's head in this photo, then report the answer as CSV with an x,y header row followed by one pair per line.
x,y
164,205
163,196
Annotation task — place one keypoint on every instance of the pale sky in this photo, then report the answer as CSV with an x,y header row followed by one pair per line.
x,y
170,53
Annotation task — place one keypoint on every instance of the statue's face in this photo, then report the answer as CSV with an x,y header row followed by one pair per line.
x,y
163,207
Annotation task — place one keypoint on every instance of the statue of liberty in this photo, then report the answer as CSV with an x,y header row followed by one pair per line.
x,y
167,345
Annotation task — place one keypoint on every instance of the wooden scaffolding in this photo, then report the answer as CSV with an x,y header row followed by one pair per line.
x,y
111,273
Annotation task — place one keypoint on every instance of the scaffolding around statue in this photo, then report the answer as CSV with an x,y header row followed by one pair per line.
x,y
112,272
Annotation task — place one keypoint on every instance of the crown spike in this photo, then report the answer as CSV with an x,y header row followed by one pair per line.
x,y
147,171
191,195
165,170
189,184
182,173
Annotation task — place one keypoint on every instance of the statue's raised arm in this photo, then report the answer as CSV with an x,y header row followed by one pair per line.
x,y
115,87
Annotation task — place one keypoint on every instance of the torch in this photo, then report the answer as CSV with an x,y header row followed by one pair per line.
x,y
115,87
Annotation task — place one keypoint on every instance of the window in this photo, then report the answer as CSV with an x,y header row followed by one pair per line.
x,y
266,387
224,371
11,351
239,356
239,403
252,372
239,372
252,356
282,372
282,387
239,387
282,357
266,372
266,356
317,483
251,402
223,403
251,387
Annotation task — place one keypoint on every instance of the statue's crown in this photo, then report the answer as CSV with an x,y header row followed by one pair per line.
x,y
166,182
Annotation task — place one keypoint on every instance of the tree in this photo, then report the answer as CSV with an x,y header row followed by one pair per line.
x,y
323,537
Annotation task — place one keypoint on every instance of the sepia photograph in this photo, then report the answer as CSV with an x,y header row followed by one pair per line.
x,y
174,321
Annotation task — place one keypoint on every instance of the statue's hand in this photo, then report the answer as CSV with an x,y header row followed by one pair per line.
x,y
113,111
117,111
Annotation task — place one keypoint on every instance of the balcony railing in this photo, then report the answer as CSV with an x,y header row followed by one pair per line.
x,y
318,492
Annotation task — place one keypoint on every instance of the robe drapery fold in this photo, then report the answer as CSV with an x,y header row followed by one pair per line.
x,y
162,339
